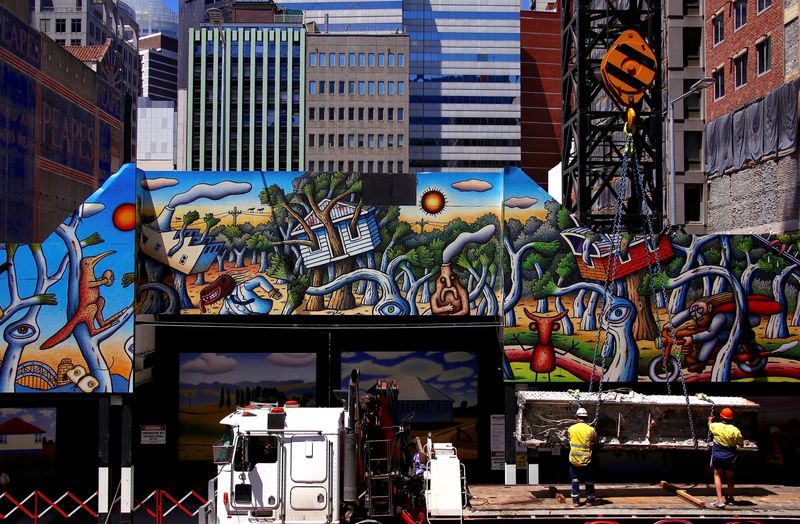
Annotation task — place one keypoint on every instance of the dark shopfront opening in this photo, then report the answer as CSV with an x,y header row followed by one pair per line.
x,y
450,375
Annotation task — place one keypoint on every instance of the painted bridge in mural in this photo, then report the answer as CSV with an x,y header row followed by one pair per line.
x,y
473,244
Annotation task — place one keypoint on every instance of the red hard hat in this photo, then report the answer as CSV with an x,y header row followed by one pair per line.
x,y
726,413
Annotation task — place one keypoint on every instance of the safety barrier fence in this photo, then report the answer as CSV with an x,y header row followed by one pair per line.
x,y
38,507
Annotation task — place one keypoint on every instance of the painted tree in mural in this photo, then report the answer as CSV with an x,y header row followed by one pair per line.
x,y
210,222
308,192
179,278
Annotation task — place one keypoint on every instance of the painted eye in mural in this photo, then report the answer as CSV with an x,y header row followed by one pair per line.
x,y
22,331
618,313
391,309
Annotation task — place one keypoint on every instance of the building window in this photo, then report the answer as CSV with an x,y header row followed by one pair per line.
x,y
401,59
331,113
322,87
371,114
371,87
341,141
390,114
370,166
351,87
331,87
381,60
332,59
331,143
764,54
352,58
61,41
323,59
341,87
360,166
341,114
371,141
739,14
320,143
692,46
693,203
391,88
391,59
391,167
691,104
399,167
401,88
75,25
381,88
75,41
341,168
362,87
400,112
380,141
342,60
691,7
44,25
322,113
390,140
763,5
312,88
351,141
349,166
362,60
360,144
719,83
380,166
718,24
312,59
372,59
351,111
61,25
360,113
380,114
311,144
693,149
330,166
740,70
399,140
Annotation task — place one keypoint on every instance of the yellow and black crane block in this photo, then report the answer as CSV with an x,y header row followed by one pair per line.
x,y
629,68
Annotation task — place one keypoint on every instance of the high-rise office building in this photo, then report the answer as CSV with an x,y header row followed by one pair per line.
x,y
156,135
155,16
357,103
464,72
247,90
159,57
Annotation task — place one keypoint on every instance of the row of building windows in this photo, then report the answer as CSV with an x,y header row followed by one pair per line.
x,y
72,41
61,25
354,140
364,113
482,142
352,165
505,79
349,59
739,18
364,87
763,64
463,121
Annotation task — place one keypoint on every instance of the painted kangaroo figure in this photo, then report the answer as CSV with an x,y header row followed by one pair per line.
x,y
543,358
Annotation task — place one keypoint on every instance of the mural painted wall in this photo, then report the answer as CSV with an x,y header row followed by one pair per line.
x,y
728,310
282,243
438,391
66,305
213,384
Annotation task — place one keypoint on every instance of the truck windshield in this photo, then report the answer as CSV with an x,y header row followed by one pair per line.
x,y
223,448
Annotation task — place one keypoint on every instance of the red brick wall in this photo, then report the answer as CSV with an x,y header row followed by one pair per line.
x,y
540,65
768,22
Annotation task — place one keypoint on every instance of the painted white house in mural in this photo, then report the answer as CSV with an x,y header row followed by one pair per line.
x,y
18,436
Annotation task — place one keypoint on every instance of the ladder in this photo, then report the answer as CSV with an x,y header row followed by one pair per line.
x,y
379,478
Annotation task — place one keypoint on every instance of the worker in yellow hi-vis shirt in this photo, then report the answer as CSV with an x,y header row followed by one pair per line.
x,y
582,437
723,453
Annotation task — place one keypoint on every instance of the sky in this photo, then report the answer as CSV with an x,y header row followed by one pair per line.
x,y
173,4
234,368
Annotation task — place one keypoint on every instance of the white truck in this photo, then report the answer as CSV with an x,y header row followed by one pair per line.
x,y
292,464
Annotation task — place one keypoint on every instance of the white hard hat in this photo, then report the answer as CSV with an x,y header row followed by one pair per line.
x,y
581,413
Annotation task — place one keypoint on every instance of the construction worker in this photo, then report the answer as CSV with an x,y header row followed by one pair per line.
x,y
723,453
582,437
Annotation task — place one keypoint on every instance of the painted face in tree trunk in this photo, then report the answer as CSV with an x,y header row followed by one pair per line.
x,y
450,297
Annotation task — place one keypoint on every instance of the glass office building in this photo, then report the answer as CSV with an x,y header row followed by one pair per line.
x,y
259,74
464,75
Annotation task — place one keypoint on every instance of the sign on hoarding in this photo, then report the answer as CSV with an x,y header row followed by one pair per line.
x,y
154,433
67,133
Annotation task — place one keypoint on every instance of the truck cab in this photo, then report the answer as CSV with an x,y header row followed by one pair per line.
x,y
279,464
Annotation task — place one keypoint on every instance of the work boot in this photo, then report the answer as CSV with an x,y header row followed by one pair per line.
x,y
730,500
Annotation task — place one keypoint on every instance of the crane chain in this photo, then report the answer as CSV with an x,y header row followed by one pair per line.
x,y
703,396
611,275
656,271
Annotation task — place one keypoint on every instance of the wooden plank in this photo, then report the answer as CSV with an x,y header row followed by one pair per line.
x,y
682,494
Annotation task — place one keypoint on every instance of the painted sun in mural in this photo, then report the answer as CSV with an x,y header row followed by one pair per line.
x,y
125,217
432,201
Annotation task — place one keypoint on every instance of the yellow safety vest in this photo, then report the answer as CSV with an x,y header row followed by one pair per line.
x,y
581,438
726,434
